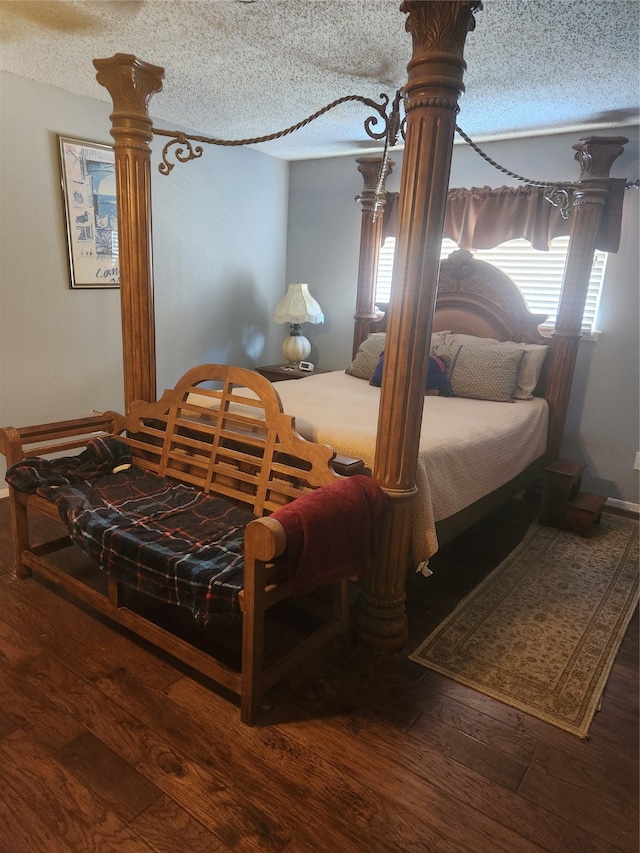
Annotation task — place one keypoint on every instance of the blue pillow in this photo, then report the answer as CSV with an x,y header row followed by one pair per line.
x,y
437,379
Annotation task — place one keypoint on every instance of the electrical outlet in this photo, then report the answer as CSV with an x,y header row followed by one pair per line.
x,y
636,464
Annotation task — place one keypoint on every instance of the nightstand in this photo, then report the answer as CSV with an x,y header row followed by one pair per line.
x,y
278,372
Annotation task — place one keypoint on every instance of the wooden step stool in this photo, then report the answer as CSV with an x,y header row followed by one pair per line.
x,y
563,504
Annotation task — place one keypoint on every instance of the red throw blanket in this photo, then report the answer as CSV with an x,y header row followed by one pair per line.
x,y
331,531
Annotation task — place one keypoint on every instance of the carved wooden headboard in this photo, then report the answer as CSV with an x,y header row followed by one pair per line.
x,y
476,298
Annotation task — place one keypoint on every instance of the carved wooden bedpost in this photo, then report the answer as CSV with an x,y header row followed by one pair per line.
x,y
596,156
439,29
131,83
370,235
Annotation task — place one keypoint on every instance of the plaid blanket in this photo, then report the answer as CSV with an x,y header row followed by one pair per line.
x,y
101,456
168,540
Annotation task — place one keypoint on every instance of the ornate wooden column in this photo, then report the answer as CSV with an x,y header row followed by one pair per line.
x,y
596,155
438,29
131,83
373,200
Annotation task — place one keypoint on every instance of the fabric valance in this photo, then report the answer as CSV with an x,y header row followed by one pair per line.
x,y
482,217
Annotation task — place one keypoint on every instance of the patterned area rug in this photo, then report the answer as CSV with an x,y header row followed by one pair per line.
x,y
541,632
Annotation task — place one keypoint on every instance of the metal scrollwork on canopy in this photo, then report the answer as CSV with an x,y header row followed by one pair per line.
x,y
392,125
181,146
560,197
184,152
395,126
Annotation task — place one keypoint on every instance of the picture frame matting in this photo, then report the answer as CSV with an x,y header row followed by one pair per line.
x,y
90,210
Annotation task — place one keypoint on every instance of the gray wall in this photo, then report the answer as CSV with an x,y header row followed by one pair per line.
x,y
219,237
324,233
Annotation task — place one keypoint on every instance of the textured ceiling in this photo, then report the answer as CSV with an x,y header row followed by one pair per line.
x,y
243,69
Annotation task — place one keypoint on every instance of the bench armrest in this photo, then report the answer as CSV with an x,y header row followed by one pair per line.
x,y
43,439
264,539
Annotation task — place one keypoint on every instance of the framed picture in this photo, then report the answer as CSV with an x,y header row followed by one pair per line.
x,y
91,214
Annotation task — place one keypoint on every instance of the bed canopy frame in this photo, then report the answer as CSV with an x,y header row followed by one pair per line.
x,y
431,94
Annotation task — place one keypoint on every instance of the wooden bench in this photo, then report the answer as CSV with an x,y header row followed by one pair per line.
x,y
206,433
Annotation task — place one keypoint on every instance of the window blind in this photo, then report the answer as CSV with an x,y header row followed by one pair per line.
x,y
537,274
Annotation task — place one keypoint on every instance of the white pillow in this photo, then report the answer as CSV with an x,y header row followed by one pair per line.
x,y
530,366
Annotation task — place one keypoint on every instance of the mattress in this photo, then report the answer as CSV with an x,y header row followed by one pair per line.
x,y
468,448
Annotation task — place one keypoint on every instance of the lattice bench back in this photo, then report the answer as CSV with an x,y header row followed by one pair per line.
x,y
222,429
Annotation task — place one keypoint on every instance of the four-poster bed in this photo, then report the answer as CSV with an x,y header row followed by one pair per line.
x,y
434,86
431,94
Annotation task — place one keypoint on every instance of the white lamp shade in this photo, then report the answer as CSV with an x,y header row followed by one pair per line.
x,y
298,306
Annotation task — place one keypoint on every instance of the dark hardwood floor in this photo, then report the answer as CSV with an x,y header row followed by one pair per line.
x,y
107,745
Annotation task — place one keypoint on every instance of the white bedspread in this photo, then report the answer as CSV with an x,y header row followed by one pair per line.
x,y
468,448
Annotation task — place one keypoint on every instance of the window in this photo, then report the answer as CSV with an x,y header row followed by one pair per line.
x,y
537,274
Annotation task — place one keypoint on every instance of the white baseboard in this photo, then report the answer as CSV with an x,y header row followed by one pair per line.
x,y
4,493
626,505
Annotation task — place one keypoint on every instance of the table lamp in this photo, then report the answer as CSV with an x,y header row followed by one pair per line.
x,y
296,307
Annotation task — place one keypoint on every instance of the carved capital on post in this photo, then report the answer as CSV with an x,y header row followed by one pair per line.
x,y
440,25
374,193
596,155
131,83
438,30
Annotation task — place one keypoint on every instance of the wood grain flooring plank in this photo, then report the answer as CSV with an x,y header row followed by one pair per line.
x,y
170,829
64,627
118,785
487,730
488,747
34,713
64,806
612,773
22,830
598,813
553,833
16,648
384,798
8,723
616,733
621,687
485,760
456,737
234,819
302,789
